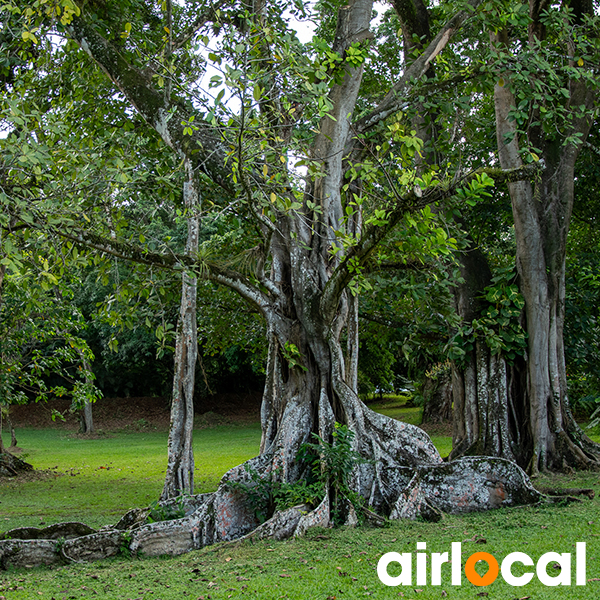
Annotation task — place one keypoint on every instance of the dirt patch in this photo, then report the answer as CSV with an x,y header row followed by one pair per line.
x,y
136,413
437,429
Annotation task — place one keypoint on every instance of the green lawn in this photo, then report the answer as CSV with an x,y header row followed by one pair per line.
x,y
328,564
97,480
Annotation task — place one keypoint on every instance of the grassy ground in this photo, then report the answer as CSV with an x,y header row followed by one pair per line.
x,y
96,480
336,564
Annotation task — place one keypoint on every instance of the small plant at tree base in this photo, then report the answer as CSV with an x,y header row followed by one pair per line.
x,y
301,492
59,544
260,493
166,512
332,465
125,547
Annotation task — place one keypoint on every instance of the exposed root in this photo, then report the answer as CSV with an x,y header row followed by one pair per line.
x,y
11,465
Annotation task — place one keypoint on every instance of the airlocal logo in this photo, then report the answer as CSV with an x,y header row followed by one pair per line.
x,y
405,560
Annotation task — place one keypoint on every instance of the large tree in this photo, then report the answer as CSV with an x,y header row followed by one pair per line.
x,y
544,106
297,243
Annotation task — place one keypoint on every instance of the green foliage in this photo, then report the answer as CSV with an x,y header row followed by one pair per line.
x,y
292,356
42,351
163,511
500,324
125,545
331,465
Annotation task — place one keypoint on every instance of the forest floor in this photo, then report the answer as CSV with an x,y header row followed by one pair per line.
x,y
153,413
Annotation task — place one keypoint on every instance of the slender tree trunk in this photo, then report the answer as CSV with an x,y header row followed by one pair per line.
x,y
13,434
180,468
86,418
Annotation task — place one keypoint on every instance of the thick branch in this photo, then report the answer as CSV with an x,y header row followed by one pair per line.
x,y
397,95
173,262
208,151
412,201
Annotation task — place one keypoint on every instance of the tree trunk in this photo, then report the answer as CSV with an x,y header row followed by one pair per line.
x,y
484,386
541,216
180,468
437,394
86,418
10,465
13,434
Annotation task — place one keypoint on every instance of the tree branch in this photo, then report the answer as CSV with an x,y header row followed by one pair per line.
x,y
204,147
395,98
173,262
411,201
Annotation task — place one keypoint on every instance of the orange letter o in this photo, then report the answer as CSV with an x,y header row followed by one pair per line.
x,y
473,576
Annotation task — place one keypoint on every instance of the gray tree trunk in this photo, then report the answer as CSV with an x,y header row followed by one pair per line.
x,y
541,216
86,417
484,387
437,395
179,478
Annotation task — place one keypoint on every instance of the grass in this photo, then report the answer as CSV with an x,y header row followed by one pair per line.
x,y
96,480
338,564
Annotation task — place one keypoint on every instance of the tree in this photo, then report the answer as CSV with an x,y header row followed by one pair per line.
x,y
297,246
527,123
508,402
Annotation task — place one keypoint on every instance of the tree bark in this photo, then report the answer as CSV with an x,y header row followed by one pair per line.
x,y
179,478
437,395
541,216
484,386
86,417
